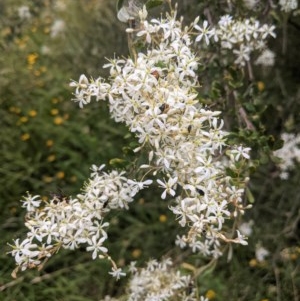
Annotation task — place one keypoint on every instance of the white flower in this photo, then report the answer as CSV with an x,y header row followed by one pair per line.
x,y
266,58
146,32
57,28
225,21
96,170
289,153
137,186
246,228
267,30
241,151
205,32
180,241
160,281
169,187
261,253
96,246
23,251
130,10
31,202
132,267
243,55
241,239
288,5
117,273
24,12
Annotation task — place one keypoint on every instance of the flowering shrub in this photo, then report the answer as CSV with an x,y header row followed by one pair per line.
x,y
159,281
38,124
288,154
155,96
182,146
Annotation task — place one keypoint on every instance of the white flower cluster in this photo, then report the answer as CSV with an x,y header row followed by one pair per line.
x,y
241,36
289,153
68,223
155,96
246,228
58,27
288,5
159,281
24,12
261,253
266,58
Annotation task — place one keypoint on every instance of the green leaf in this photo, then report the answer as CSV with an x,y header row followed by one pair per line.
x,y
249,107
278,144
153,3
119,4
231,173
127,150
250,196
117,162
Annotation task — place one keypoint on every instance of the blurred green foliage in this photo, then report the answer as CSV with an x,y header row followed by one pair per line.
x,y
48,142
44,135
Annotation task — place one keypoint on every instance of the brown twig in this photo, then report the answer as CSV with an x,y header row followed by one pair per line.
x,y
245,118
11,284
35,280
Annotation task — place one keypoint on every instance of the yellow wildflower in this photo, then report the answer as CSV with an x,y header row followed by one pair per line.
x,y
73,179
162,218
141,201
32,113
49,143
136,253
15,110
31,58
54,100
210,295
260,86
253,263
60,175
54,112
47,179
51,158
25,137
58,120
24,119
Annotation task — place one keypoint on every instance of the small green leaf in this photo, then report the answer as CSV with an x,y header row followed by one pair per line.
x,y
119,4
127,150
278,144
250,196
249,107
128,136
231,173
153,3
117,162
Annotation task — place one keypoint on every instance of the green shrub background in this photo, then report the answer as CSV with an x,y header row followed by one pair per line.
x,y
48,143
